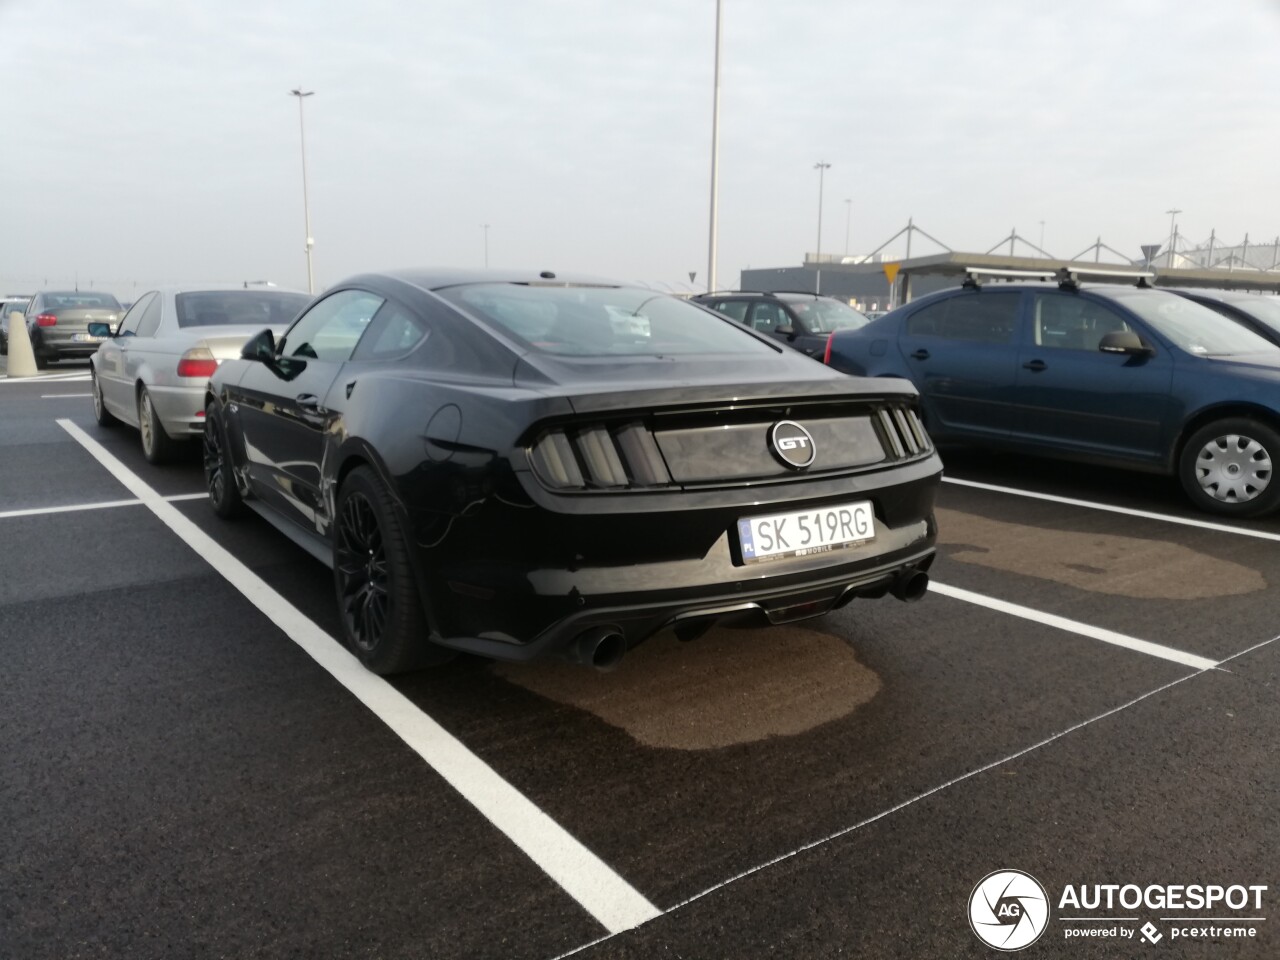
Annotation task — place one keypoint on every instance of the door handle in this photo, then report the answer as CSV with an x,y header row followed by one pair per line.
x,y
1035,365
308,401
921,354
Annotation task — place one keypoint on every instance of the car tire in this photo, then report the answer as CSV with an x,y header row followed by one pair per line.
x,y
101,414
157,446
219,475
383,622
1227,467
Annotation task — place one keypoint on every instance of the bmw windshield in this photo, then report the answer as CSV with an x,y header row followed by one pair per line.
x,y
594,321
1193,327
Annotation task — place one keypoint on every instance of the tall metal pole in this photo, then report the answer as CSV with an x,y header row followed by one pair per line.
x,y
306,206
1173,216
822,167
848,214
715,162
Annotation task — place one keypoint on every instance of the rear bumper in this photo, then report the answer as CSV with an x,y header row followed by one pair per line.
x,y
61,346
181,409
518,584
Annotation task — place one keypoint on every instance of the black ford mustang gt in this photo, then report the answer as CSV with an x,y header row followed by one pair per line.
x,y
523,465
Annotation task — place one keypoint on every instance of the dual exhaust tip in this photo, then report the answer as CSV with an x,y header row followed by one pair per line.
x,y
599,647
604,647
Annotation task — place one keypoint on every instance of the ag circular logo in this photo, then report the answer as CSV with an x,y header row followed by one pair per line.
x,y
1008,910
792,444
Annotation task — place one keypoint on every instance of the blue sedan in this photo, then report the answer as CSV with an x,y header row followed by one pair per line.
x,y
1119,375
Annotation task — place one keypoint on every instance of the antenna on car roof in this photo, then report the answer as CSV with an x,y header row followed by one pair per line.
x,y
1069,277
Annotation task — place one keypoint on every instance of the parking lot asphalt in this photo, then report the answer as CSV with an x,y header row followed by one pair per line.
x,y
1090,695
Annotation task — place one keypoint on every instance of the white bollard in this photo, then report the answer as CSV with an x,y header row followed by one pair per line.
x,y
22,359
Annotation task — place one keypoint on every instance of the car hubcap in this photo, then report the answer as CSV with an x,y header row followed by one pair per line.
x,y
214,477
362,571
1233,468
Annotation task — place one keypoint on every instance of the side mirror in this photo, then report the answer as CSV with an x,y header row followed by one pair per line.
x,y
102,330
261,347
1123,341
785,330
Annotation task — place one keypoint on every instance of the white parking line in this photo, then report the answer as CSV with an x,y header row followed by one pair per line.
x,y
585,877
1075,626
45,378
98,505
1128,511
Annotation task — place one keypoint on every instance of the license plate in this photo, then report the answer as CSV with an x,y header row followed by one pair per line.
x,y
85,338
806,532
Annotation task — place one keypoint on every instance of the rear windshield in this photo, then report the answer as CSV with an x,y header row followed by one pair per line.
x,y
1192,326
80,301
827,316
602,321
261,308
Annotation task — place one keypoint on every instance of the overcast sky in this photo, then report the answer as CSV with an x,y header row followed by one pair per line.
x,y
150,141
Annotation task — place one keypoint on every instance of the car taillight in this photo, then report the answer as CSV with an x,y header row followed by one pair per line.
x,y
197,362
826,357
47,320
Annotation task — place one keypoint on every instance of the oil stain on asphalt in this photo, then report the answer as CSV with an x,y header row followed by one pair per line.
x,y
727,687
1100,562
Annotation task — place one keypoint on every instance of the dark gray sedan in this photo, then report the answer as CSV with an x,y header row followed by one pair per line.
x,y
58,321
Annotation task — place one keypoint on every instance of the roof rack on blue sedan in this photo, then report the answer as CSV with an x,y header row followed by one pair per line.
x,y
1069,277
977,276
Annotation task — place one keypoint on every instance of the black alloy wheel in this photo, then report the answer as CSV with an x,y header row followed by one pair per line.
x,y
219,480
383,622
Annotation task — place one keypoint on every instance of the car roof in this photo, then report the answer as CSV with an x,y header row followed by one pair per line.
x,y
1223,296
437,278
222,288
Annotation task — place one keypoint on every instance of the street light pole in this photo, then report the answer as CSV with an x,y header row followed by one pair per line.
x,y
306,206
715,162
822,167
848,215
1173,216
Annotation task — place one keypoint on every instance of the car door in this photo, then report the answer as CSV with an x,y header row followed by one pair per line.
x,y
110,361
285,410
961,353
138,350
1072,396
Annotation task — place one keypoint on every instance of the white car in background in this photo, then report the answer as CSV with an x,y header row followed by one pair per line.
x,y
152,370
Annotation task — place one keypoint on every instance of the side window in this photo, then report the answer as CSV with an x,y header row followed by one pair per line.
x,y
977,317
766,316
1069,322
737,309
151,317
132,319
331,329
985,317
393,333
930,321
